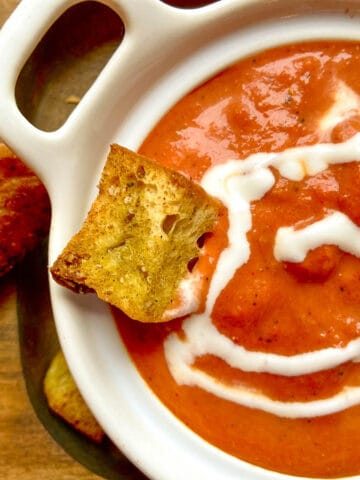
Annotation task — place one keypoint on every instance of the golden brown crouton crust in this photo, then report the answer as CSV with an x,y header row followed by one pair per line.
x,y
24,210
141,232
65,400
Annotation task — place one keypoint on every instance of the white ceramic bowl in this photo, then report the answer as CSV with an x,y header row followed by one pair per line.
x,y
164,54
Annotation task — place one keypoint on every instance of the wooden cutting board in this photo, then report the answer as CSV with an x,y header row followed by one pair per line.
x,y
27,451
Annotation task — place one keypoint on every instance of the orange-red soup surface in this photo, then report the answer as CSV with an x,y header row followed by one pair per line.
x,y
268,103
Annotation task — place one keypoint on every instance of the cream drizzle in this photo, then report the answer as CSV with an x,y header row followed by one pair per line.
x,y
335,229
347,397
237,183
346,103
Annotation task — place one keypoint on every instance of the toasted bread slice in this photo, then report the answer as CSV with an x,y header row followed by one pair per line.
x,y
65,400
135,245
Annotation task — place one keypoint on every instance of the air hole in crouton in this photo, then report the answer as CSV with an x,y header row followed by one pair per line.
x,y
151,187
169,222
119,244
191,264
140,171
139,184
202,239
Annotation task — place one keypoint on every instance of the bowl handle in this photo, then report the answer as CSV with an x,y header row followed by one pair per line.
x,y
150,26
18,38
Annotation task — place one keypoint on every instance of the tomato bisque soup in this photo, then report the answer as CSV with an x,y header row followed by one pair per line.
x,y
267,369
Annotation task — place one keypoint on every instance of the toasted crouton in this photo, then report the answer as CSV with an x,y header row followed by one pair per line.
x,y
65,400
136,243
24,210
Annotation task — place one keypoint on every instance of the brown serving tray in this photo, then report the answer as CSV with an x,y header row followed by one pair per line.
x,y
59,72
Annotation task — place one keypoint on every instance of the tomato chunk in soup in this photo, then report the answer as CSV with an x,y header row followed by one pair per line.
x,y
288,97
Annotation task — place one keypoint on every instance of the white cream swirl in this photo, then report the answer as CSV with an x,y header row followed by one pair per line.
x,y
237,183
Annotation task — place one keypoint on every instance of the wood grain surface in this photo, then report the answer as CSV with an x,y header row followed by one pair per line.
x,y
27,451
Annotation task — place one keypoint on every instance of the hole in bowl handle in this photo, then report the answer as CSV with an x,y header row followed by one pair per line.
x,y
150,26
18,38
45,152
